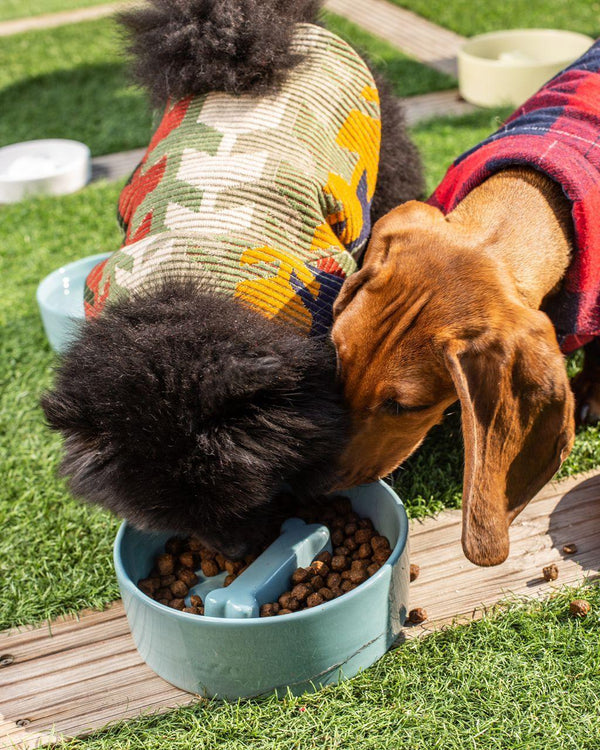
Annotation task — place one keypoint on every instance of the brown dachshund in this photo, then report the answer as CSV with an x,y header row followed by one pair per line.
x,y
447,308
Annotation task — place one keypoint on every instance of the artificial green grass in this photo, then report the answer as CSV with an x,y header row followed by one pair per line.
x,y
72,82
54,552
527,679
443,139
467,17
10,9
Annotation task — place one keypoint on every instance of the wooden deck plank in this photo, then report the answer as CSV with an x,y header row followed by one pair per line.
x,y
77,674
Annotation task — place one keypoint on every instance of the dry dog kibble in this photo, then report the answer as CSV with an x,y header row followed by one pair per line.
x,y
580,608
319,568
339,562
187,559
179,589
194,545
351,544
337,537
417,615
550,572
165,564
301,575
163,593
314,599
414,572
269,610
148,585
364,535
325,557
358,576
381,555
359,552
188,577
234,568
209,568
300,591
193,610
569,549
379,542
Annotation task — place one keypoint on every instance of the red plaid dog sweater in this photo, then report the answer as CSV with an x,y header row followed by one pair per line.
x,y
557,131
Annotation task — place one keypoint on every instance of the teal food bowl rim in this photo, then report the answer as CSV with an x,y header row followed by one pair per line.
x,y
57,273
397,551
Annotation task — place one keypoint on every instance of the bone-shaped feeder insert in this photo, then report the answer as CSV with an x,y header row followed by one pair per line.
x,y
268,576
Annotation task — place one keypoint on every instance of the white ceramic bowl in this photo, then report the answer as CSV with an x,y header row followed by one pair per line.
x,y
48,167
507,67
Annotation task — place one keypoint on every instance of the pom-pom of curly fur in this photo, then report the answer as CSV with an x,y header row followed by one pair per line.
x,y
191,47
186,410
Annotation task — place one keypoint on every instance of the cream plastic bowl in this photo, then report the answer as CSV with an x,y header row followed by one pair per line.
x,y
48,167
507,67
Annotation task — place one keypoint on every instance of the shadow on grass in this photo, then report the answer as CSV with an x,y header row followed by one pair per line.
x,y
90,103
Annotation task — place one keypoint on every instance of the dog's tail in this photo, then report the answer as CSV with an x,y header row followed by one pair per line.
x,y
190,47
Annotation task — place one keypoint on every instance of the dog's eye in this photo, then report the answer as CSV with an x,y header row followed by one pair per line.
x,y
391,406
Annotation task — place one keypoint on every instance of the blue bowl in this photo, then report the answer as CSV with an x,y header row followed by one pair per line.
x,y
238,658
60,300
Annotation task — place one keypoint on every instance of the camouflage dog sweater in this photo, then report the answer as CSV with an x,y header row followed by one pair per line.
x,y
266,199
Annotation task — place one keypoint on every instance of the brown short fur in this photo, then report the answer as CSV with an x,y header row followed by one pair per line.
x,y
447,308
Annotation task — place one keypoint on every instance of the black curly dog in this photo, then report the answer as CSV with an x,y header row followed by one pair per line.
x,y
182,409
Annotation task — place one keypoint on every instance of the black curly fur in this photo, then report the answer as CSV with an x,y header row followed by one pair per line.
x,y
181,409
184,410
184,47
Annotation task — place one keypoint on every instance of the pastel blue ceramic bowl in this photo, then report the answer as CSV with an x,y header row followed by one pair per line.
x,y
60,300
232,657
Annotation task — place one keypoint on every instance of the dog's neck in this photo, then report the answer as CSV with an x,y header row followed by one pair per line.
x,y
522,219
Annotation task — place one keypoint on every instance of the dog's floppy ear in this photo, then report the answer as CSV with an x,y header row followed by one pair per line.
x,y
518,427
410,216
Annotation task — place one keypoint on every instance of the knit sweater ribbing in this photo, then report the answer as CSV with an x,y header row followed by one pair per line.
x,y
263,199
